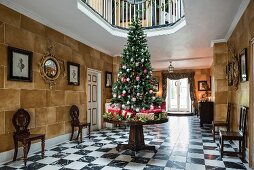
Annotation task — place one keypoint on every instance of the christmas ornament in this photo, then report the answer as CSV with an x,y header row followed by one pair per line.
x,y
137,78
123,79
128,79
151,91
123,106
137,109
145,71
124,67
114,95
153,98
128,102
133,99
124,91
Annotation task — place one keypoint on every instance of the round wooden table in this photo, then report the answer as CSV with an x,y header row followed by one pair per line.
x,y
136,136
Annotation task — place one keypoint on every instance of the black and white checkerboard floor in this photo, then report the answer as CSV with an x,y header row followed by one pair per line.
x,y
180,143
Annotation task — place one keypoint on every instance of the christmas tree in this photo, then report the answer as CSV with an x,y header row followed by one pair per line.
x,y
134,88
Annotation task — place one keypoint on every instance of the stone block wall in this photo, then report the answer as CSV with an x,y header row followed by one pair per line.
x,y
49,109
240,39
220,94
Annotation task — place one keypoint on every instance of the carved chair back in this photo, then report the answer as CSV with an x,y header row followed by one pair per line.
x,y
74,113
242,122
20,121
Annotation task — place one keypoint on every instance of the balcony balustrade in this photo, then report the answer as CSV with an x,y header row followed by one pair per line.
x,y
152,13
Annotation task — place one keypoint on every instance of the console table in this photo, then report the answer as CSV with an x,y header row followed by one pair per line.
x,y
136,136
205,113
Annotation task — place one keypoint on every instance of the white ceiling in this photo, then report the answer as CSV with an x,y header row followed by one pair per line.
x,y
189,47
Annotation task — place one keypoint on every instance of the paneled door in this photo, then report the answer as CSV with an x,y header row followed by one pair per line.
x,y
92,99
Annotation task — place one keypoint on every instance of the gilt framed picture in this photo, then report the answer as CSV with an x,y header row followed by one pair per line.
x,y
243,65
108,79
202,85
20,65
73,71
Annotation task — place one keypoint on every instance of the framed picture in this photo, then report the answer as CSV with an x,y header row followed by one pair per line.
x,y
202,85
20,65
243,65
73,71
156,86
108,79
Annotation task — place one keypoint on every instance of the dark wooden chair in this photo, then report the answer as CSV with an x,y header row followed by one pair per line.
x,y
240,135
21,120
74,113
225,123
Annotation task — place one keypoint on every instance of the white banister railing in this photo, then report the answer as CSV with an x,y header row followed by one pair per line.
x,y
152,13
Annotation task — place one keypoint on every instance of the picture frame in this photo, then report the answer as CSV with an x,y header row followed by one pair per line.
x,y
156,85
108,79
243,65
20,67
73,73
201,85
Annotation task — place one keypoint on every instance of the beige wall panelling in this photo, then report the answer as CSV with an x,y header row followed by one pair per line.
x,y
49,109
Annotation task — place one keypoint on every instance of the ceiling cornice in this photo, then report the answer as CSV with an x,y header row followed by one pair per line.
x,y
237,18
50,24
233,25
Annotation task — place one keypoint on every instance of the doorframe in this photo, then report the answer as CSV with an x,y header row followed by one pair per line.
x,y
99,95
178,98
251,104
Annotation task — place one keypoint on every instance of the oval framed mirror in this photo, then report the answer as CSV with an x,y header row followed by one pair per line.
x,y
50,69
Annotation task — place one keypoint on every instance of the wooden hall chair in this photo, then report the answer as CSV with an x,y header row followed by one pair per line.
x,y
20,121
225,124
74,113
240,135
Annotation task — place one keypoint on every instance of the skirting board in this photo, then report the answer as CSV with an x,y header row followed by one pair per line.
x,y
36,147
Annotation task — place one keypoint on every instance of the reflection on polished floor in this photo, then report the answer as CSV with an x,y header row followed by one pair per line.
x,y
180,143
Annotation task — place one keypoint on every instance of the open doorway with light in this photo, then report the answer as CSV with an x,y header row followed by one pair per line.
x,y
178,96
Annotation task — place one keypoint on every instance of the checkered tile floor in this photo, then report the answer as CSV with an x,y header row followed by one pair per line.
x,y
180,143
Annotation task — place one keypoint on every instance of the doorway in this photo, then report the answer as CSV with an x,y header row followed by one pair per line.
x,y
178,95
94,98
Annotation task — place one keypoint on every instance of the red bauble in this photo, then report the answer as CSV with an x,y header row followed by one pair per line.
x,y
150,91
123,94
137,78
145,70
123,79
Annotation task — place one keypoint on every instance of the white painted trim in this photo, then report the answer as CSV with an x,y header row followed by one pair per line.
x,y
36,147
237,17
50,24
217,41
99,95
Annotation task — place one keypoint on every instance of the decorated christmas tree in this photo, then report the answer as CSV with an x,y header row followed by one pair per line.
x,y
134,88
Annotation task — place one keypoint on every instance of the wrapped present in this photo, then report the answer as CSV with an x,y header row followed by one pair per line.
x,y
151,111
114,110
128,113
148,116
